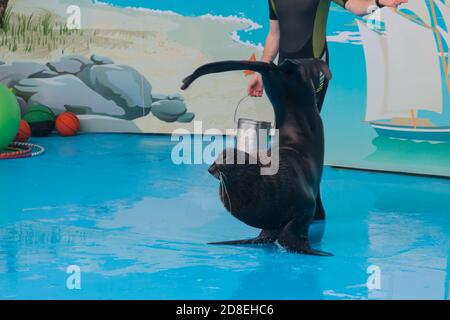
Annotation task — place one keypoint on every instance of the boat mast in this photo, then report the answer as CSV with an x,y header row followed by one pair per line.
x,y
413,118
441,48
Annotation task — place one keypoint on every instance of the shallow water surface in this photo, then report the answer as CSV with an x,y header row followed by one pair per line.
x,y
137,225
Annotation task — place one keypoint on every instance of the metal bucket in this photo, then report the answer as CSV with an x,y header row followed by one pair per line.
x,y
252,136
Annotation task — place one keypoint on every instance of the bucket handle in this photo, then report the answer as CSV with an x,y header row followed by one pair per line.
x,y
237,108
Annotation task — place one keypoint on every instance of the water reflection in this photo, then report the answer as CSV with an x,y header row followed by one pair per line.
x,y
138,227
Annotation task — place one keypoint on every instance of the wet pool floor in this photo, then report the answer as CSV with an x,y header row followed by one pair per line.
x,y
137,226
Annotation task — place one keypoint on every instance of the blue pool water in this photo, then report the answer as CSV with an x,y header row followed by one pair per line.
x,y
137,226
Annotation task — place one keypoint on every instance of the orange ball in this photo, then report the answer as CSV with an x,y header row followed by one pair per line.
x,y
24,132
67,124
74,117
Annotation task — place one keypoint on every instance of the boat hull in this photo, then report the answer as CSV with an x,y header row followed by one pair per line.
x,y
436,134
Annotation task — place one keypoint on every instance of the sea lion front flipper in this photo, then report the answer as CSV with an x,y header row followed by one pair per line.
x,y
294,238
265,237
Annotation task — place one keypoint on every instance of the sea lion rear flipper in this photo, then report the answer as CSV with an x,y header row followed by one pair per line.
x,y
305,248
265,237
294,238
224,66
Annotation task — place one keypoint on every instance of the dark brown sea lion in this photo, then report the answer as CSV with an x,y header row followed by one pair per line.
x,y
283,204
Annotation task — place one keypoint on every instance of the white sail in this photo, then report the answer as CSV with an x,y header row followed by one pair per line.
x,y
376,73
419,7
376,69
414,76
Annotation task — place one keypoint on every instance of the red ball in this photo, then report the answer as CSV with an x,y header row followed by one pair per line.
x,y
24,132
67,124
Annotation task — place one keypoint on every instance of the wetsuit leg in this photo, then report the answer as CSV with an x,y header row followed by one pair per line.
x,y
320,211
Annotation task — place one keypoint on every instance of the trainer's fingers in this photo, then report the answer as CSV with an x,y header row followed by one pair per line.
x,y
251,87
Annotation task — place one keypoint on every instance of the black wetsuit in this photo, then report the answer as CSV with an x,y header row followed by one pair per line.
x,y
303,35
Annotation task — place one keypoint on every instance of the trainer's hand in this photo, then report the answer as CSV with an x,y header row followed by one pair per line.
x,y
393,3
255,87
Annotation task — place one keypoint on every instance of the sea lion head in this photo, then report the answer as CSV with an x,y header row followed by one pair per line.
x,y
231,163
239,176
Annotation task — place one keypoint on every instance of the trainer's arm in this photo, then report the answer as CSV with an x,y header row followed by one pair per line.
x,y
360,7
255,87
272,42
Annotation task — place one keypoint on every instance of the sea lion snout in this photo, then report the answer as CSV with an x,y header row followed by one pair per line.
x,y
227,156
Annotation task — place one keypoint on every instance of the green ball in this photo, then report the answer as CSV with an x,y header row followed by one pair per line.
x,y
41,120
9,117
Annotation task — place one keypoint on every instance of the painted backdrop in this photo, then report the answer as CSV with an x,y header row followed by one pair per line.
x,y
119,66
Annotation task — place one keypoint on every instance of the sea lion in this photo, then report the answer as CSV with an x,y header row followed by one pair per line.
x,y
283,205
